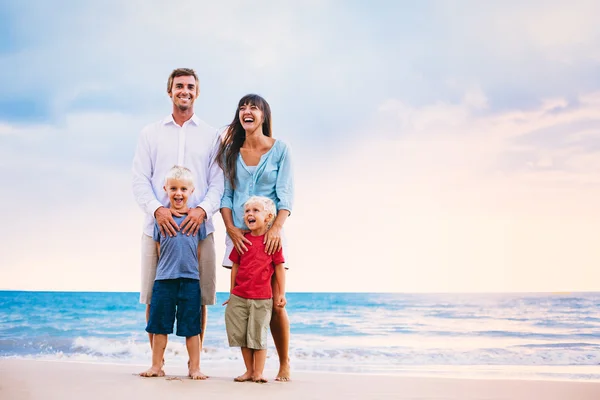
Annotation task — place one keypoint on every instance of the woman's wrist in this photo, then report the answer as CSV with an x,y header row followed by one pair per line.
x,y
276,225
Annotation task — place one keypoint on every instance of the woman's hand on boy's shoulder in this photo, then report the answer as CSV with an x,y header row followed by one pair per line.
x,y
272,240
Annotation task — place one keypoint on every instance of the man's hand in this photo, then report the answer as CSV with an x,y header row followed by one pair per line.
x,y
165,221
239,240
192,222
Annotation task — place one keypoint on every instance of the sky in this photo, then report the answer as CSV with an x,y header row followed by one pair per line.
x,y
438,146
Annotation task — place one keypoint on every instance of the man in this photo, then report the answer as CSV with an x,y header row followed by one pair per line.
x,y
179,139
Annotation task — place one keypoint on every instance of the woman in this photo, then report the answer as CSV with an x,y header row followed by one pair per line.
x,y
256,164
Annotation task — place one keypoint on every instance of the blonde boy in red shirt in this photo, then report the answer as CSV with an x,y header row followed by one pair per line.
x,y
250,302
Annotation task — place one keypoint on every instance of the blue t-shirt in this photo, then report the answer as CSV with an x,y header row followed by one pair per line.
x,y
178,254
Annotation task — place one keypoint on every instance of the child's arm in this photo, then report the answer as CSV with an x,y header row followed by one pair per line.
x,y
157,249
280,301
234,270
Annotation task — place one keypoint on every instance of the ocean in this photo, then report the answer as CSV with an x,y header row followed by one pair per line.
x,y
522,336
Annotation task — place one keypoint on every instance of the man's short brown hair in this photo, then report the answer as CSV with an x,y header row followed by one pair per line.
x,y
181,72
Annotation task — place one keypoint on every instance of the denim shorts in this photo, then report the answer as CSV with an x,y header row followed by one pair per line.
x,y
175,298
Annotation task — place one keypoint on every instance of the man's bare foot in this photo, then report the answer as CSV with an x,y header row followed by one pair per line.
x,y
197,375
259,379
243,378
284,373
152,373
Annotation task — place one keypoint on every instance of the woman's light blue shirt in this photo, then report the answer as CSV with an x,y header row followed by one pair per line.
x,y
271,178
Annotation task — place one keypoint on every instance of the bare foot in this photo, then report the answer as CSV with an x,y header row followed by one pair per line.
x,y
243,378
284,373
152,373
197,375
259,379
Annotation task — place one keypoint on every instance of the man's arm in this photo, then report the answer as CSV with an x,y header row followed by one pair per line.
x,y
216,182
143,193
142,176
211,202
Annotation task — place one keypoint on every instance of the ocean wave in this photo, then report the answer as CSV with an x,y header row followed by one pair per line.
x,y
332,331
138,351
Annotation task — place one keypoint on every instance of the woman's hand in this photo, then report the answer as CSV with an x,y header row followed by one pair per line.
x,y
273,239
237,237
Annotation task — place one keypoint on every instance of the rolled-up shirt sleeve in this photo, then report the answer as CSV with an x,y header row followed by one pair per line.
x,y
284,186
142,176
227,199
211,203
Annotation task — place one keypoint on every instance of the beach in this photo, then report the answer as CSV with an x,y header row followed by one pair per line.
x,y
70,345
53,380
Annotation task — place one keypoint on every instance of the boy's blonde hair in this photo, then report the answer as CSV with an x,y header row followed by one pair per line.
x,y
180,173
268,205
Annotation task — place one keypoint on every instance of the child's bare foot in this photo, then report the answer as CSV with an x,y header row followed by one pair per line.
x,y
244,378
284,373
152,373
259,379
195,374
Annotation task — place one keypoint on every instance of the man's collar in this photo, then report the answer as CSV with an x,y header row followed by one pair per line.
x,y
169,120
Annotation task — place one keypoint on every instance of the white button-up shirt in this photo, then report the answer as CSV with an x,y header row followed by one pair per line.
x,y
164,144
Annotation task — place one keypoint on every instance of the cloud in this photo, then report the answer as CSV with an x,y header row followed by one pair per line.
x,y
447,146
327,58
440,203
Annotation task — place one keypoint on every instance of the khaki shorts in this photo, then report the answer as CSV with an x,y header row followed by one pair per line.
x,y
206,267
247,322
227,263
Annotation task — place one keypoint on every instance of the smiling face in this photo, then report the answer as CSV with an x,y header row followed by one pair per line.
x,y
257,218
251,117
184,92
178,190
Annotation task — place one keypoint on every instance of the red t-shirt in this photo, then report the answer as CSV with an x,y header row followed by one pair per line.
x,y
253,279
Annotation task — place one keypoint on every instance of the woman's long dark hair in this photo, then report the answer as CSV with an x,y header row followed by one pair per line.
x,y
229,149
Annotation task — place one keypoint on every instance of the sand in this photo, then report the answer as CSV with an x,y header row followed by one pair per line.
x,y
48,380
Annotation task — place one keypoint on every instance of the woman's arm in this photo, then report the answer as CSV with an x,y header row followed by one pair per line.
x,y
284,188
272,239
235,234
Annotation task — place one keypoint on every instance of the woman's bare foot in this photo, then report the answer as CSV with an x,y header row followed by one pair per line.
x,y
284,373
244,378
152,373
259,379
197,375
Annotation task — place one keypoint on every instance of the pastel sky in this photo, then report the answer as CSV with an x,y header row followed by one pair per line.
x,y
439,146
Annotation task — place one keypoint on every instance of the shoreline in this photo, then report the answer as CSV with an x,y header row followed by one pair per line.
x,y
548,373
35,379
